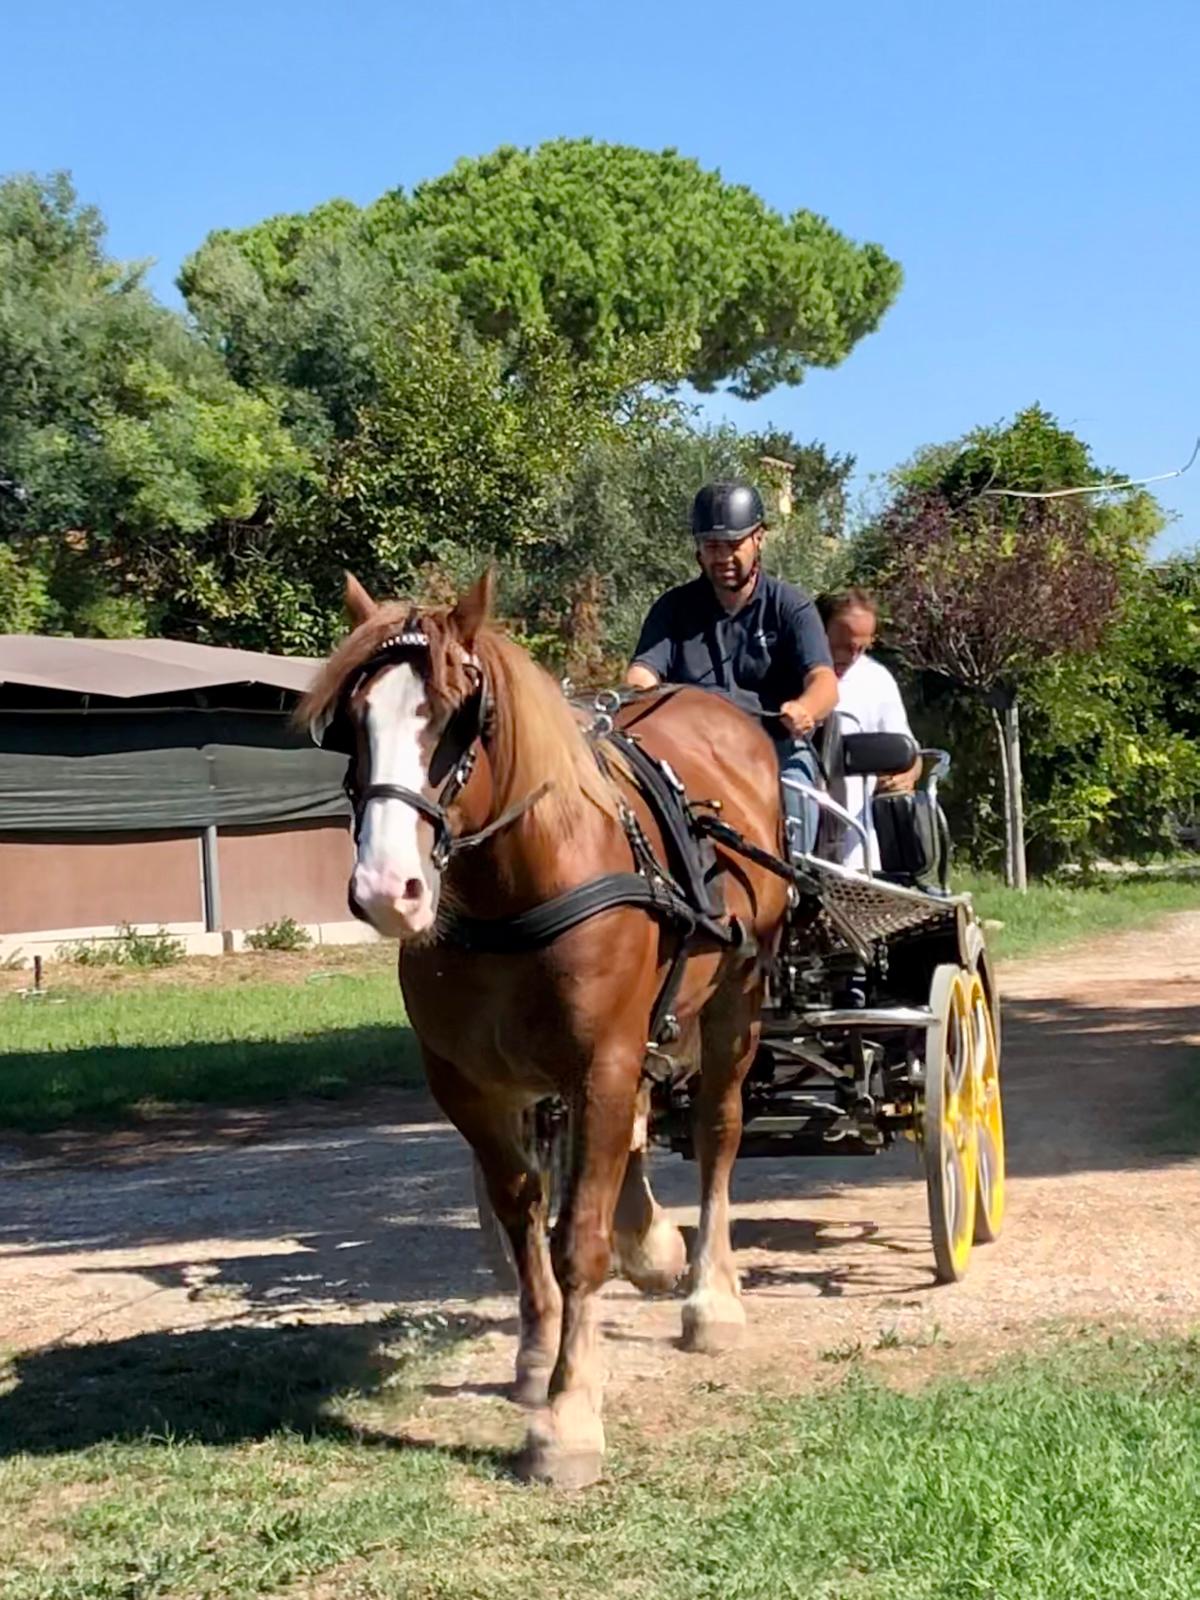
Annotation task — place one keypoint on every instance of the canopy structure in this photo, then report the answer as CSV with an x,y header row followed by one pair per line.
x,y
113,735
131,669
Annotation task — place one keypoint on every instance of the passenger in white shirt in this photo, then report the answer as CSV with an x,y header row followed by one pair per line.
x,y
868,702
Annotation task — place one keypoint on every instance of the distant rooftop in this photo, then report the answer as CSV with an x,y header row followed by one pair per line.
x,y
127,669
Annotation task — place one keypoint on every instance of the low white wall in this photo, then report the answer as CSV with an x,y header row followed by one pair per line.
x,y
22,947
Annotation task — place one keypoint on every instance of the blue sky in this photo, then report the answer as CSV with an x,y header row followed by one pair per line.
x,y
1030,165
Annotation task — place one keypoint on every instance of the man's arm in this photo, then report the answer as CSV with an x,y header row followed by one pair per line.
x,y
803,637
893,718
652,657
813,705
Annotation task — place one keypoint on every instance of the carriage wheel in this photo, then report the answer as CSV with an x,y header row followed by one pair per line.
x,y
949,1129
989,1118
980,961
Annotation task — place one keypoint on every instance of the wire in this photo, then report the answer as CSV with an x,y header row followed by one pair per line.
x,y
1094,488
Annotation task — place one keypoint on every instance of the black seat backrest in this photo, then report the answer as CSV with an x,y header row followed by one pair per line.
x,y
914,839
827,741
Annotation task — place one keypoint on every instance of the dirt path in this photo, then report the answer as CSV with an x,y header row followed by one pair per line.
x,y
338,1213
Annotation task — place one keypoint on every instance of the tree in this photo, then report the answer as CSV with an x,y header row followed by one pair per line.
x,y
462,456
592,242
811,477
123,442
990,591
1116,735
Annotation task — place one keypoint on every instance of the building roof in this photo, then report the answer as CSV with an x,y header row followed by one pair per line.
x,y
127,669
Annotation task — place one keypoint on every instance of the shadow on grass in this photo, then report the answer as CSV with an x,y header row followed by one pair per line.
x,y
109,1083
222,1387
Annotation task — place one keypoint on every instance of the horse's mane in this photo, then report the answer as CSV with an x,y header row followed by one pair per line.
x,y
535,737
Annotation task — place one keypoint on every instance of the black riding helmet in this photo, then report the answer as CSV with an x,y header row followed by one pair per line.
x,y
726,511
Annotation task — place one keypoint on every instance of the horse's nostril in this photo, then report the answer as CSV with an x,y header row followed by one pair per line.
x,y
412,888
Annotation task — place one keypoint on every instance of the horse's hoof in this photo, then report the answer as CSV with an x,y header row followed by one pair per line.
x,y
711,1338
559,1466
655,1262
711,1329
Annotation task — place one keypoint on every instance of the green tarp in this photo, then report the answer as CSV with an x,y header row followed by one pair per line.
x,y
142,771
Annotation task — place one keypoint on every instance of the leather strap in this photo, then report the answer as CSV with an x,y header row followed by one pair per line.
x,y
542,924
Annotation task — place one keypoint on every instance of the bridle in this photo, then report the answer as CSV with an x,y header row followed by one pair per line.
x,y
454,756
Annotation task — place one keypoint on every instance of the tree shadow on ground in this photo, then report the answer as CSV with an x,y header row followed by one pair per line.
x,y
108,1084
224,1387
370,1201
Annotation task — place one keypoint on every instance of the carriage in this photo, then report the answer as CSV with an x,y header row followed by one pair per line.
x,y
628,943
882,1018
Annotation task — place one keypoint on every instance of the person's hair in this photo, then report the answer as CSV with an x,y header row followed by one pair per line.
x,y
838,601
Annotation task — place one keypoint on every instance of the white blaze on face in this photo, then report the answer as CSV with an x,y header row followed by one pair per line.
x,y
394,882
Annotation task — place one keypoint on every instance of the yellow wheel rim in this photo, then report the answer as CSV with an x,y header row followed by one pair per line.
x,y
949,1124
989,1117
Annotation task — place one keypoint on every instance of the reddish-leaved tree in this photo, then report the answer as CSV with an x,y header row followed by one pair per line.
x,y
984,590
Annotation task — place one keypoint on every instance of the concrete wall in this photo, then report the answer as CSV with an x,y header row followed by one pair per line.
x,y
267,873
58,888
81,880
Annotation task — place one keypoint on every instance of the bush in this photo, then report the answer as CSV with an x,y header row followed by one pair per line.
x,y
286,934
129,949
89,953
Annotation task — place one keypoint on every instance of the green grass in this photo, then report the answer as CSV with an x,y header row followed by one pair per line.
x,y
1053,914
108,1055
287,1463
87,1053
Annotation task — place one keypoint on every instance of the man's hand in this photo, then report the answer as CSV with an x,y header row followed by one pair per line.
x,y
797,719
640,677
899,782
801,715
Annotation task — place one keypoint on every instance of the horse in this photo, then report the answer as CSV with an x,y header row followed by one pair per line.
x,y
478,794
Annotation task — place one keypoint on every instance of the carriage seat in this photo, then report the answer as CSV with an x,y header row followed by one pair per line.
x,y
910,828
914,840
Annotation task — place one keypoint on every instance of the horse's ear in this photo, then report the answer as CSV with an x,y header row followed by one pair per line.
x,y
473,607
359,604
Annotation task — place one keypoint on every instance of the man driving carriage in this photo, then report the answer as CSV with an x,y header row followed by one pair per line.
x,y
754,637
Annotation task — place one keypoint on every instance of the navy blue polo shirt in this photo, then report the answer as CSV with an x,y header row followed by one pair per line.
x,y
759,656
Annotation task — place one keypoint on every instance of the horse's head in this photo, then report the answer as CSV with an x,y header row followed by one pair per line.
x,y
405,697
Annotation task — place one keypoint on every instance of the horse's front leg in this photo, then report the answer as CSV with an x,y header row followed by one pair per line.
x,y
713,1316
516,1186
565,1443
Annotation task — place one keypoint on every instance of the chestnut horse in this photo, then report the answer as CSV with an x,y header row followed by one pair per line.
x,y
530,815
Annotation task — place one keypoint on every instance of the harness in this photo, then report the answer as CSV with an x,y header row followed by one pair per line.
x,y
453,761
679,892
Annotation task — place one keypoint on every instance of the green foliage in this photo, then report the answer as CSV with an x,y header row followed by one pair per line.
x,y
124,441
987,594
286,934
593,243
1111,738
25,602
130,948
